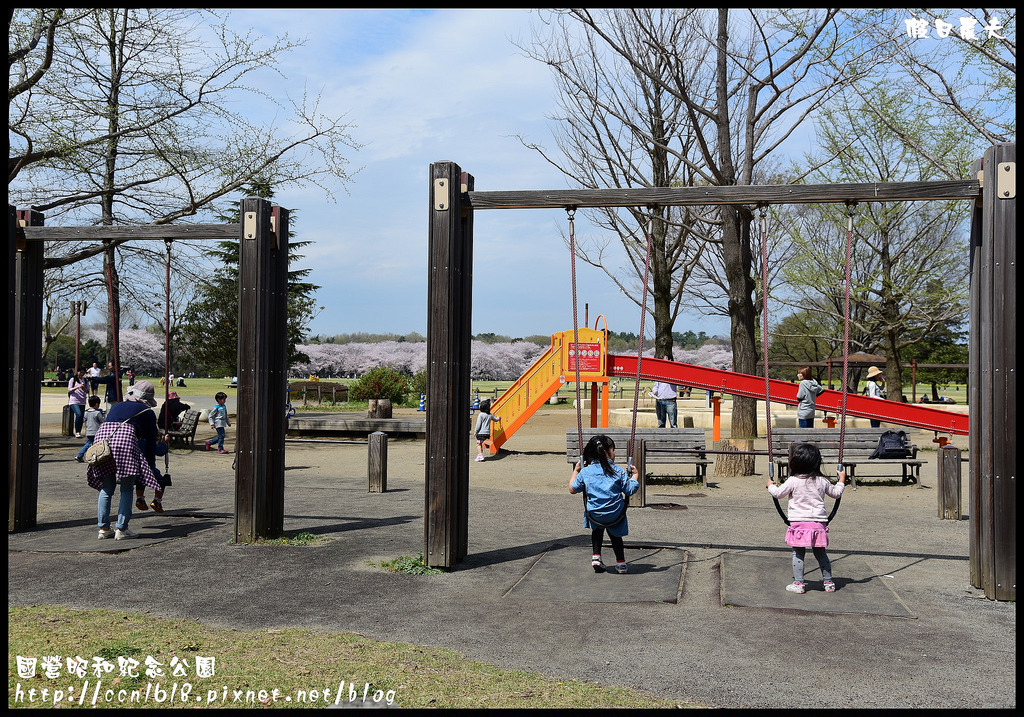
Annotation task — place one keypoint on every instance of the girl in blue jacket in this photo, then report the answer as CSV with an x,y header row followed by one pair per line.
x,y
605,487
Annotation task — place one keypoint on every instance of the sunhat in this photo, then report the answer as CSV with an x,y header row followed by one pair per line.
x,y
874,371
142,392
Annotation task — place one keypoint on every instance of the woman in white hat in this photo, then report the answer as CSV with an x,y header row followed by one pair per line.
x,y
875,389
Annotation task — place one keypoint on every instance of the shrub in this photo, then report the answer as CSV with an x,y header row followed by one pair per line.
x,y
380,382
418,385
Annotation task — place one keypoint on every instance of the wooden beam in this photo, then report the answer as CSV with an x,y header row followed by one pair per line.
x,y
751,194
142,232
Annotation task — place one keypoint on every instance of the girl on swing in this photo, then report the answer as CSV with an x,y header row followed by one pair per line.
x,y
808,519
604,485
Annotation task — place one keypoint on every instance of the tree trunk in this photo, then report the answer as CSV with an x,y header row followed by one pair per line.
x,y
379,408
737,464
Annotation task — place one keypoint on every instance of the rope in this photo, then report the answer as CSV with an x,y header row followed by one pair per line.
x,y
571,212
640,340
846,346
764,352
764,338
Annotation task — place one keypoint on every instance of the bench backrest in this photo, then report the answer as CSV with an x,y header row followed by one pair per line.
x,y
189,421
657,439
827,439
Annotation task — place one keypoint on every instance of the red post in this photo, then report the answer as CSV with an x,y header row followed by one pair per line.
x,y
716,425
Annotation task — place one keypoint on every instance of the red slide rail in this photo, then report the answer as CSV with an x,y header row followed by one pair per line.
x,y
741,384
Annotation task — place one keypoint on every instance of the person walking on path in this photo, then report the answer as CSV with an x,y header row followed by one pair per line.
x,y
127,466
875,388
665,403
94,416
219,421
806,397
92,375
77,394
808,520
605,487
482,429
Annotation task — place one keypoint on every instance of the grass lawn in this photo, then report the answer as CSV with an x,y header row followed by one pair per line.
x,y
307,668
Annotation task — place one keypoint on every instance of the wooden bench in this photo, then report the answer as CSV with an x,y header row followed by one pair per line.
x,y
858,445
660,445
185,435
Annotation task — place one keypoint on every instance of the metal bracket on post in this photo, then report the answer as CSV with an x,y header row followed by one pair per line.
x,y
1006,180
442,200
249,225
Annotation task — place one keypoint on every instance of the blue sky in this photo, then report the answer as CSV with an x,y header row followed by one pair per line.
x,y
421,86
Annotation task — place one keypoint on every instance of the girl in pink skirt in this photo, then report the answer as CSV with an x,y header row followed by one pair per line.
x,y
808,520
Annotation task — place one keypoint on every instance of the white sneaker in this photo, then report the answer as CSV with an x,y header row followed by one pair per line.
x,y
125,534
479,456
598,564
622,568
105,533
797,588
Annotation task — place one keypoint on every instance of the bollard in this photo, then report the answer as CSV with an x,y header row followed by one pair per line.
x,y
378,462
423,401
949,483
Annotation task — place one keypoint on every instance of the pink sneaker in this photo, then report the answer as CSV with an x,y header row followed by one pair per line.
x,y
796,588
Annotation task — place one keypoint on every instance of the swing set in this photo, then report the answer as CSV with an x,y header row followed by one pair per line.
x,y
453,202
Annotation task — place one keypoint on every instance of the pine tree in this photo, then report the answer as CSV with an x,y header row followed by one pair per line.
x,y
210,325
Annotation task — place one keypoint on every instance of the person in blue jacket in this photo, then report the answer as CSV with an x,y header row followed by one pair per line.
x,y
605,487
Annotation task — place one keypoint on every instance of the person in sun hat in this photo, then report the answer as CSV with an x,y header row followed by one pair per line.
x,y
875,388
136,408
170,412
134,465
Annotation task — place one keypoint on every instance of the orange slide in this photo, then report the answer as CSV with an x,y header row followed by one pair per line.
x,y
541,381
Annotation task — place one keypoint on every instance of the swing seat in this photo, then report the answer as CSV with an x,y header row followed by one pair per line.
x,y
185,435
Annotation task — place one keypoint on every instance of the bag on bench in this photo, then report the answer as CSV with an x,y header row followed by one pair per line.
x,y
892,444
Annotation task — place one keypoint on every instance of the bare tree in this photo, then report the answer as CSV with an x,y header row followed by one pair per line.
x,y
134,115
959,62
619,128
768,73
909,263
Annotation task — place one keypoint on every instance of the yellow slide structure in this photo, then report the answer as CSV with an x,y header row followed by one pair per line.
x,y
541,381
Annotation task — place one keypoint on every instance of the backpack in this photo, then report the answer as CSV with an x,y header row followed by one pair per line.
x,y
892,444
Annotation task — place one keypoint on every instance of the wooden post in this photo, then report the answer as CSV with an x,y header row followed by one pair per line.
x,y
449,327
25,362
262,374
949,483
992,378
379,408
378,462
640,461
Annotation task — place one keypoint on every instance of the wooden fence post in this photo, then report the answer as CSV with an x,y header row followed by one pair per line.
x,y
25,364
640,461
378,462
992,378
449,327
949,483
262,370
